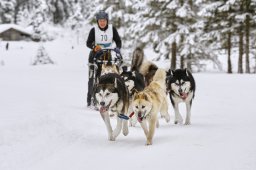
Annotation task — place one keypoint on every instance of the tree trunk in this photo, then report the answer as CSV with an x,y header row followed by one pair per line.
x,y
241,50
189,62
56,13
16,10
182,61
247,39
174,57
229,53
229,45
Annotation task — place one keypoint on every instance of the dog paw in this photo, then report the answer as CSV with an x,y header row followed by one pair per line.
x,y
179,121
111,138
148,143
125,131
157,124
167,118
187,123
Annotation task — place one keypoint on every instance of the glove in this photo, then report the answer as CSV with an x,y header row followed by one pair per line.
x,y
96,48
117,50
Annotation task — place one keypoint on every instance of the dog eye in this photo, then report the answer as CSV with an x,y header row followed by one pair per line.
x,y
107,94
143,107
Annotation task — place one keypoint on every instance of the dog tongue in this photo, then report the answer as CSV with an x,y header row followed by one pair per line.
x,y
139,117
183,95
103,109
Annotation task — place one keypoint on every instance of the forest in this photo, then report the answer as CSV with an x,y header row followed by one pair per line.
x,y
185,31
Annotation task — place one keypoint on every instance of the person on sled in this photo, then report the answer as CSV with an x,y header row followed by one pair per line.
x,y
100,36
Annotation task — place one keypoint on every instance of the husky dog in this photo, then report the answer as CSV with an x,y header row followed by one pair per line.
x,y
133,80
181,86
135,83
149,102
142,65
111,95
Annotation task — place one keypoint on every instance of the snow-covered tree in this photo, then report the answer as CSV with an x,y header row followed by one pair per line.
x,y
42,57
39,18
7,10
227,25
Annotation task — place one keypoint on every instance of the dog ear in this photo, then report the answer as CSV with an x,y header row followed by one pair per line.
x,y
172,72
135,95
124,68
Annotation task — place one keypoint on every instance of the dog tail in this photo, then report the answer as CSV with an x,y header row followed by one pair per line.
x,y
137,59
160,76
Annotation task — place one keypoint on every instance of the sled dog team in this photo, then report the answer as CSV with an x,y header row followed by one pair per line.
x,y
140,94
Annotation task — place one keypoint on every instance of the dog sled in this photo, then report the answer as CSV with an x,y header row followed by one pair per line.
x,y
105,56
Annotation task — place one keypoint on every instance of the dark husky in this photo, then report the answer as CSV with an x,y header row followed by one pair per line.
x,y
135,83
133,80
142,65
181,86
112,96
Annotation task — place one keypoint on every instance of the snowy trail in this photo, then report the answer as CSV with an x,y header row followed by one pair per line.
x,y
44,124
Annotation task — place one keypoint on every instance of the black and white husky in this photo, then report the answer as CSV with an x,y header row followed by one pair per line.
x,y
112,96
142,65
181,86
133,80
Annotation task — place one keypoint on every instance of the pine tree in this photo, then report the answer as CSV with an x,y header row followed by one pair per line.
x,y
42,57
219,26
39,18
7,10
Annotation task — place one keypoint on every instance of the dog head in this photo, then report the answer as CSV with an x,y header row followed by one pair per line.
x,y
179,82
141,105
129,79
133,80
106,95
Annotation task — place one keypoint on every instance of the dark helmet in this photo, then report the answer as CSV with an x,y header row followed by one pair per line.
x,y
101,15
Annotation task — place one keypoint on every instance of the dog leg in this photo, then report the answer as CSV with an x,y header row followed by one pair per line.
x,y
133,119
144,127
108,125
157,123
188,107
178,118
125,128
164,111
118,127
152,126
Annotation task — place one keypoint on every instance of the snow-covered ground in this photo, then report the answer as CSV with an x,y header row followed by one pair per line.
x,y
45,125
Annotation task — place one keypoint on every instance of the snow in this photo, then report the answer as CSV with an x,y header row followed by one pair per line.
x,y
44,122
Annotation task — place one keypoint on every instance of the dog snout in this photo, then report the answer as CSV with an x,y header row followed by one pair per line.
x,y
139,114
102,103
180,90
